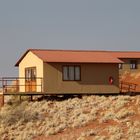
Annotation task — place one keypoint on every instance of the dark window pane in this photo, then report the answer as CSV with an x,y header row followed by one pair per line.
x,y
77,73
71,73
27,73
120,66
33,73
133,64
65,73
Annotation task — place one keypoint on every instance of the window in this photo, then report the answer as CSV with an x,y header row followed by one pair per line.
x,y
77,73
120,66
30,73
65,73
133,64
71,73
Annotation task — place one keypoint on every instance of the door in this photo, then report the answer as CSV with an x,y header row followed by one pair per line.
x,y
30,79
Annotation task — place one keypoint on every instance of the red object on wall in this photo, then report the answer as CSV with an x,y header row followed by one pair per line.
x,y
111,80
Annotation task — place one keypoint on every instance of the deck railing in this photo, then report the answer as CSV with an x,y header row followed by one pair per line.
x,y
126,87
19,84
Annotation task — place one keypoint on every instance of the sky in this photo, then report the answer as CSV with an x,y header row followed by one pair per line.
x,y
66,24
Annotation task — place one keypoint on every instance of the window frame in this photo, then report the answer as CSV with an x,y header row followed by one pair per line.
x,y
31,77
67,66
120,66
133,64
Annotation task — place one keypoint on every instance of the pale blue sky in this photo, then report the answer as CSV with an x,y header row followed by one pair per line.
x,y
66,24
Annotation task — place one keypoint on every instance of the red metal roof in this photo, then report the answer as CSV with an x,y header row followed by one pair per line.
x,y
72,56
126,54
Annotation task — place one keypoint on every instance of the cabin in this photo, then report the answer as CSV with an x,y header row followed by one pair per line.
x,y
68,72
75,72
60,72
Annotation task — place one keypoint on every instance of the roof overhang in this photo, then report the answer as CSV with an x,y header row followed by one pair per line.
x,y
17,64
72,56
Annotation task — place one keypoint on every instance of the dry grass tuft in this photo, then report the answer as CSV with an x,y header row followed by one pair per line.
x,y
29,120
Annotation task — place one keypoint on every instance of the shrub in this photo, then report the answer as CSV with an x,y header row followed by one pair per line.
x,y
123,113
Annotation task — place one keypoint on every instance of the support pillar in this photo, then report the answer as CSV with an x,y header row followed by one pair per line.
x,y
1,100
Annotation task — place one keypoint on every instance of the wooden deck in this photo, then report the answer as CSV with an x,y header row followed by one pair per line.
x,y
24,93
11,86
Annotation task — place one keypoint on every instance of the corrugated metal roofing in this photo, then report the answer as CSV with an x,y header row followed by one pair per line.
x,y
72,56
125,54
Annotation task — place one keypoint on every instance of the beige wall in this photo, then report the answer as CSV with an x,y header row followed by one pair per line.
x,y
30,60
94,79
126,67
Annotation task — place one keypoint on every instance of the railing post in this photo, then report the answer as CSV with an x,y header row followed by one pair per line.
x,y
41,85
121,87
2,96
3,85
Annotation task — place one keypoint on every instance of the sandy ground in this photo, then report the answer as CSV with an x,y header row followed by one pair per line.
x,y
86,118
100,128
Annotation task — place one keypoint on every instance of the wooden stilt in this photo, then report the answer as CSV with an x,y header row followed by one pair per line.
x,y
2,96
1,100
20,98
